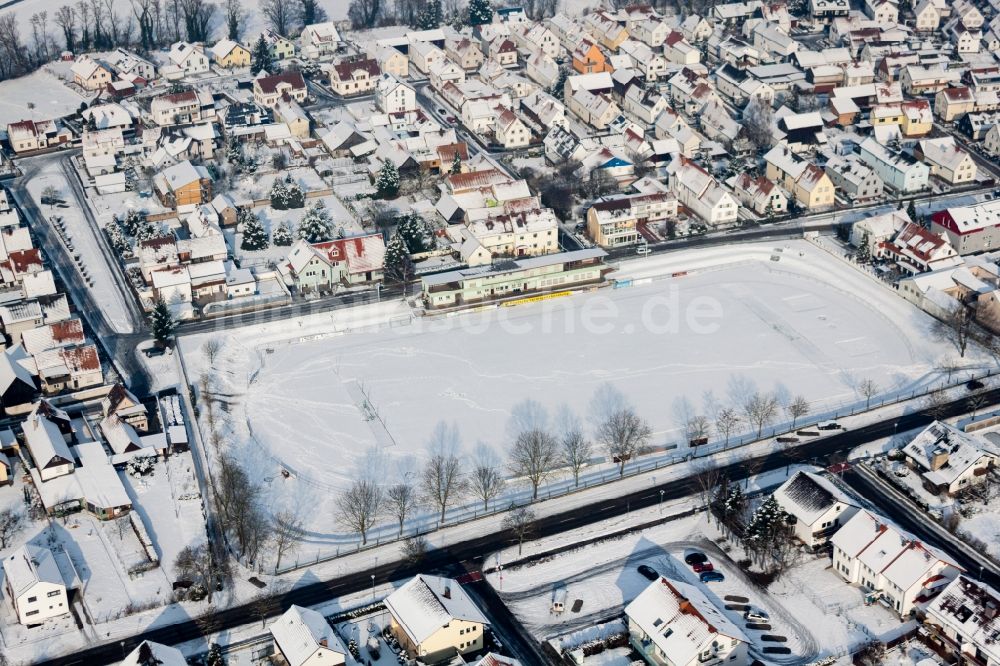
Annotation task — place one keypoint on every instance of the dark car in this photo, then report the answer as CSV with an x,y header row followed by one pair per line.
x,y
974,385
648,572
711,577
701,567
694,558
153,351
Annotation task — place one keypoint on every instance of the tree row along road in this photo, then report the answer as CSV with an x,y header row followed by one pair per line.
x,y
450,559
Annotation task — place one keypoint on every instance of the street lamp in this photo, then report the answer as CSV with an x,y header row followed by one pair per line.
x,y
373,587
661,498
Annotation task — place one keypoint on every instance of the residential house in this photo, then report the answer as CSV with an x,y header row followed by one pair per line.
x,y
701,194
425,55
69,368
970,229
644,106
950,460
542,69
948,161
826,10
191,106
598,110
605,28
122,403
394,96
672,623
918,250
810,186
45,439
643,59
17,381
818,505
230,55
678,50
853,179
186,60
696,28
319,41
891,564
953,103
652,31
354,76
899,171
503,50
280,47
967,14
926,15
444,72
130,67
465,53
882,11
90,74
183,185
760,195
434,619
268,90
28,135
149,652
305,638
33,585
391,61
325,266
921,80
589,59
991,142
615,222
963,622
509,130
537,37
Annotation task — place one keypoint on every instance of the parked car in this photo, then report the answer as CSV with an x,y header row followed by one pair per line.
x,y
648,572
695,557
153,351
700,567
711,577
756,616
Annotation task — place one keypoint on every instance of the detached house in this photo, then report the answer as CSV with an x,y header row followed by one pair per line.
x,y
818,506
305,638
532,38
183,185
33,585
394,96
615,222
325,266
186,60
919,250
354,76
268,90
809,184
465,53
672,623
589,59
28,135
280,47
927,16
947,160
434,619
950,460
319,40
701,194
229,54
891,564
191,106
509,130
90,74
760,195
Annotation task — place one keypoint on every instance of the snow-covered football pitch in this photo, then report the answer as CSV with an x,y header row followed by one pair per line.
x,y
790,319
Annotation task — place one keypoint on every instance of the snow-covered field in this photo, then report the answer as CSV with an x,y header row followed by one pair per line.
x,y
736,323
49,95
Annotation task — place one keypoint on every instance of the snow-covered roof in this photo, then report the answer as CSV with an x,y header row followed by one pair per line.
x,y
970,610
29,565
45,441
944,452
808,496
425,604
680,619
163,654
302,633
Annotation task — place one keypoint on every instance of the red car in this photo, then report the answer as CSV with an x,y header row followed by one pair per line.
x,y
702,567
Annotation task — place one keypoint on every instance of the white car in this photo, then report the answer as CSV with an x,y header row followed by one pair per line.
x,y
756,616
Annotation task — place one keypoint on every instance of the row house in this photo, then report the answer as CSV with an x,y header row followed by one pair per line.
x,y
319,40
615,222
964,622
810,186
890,563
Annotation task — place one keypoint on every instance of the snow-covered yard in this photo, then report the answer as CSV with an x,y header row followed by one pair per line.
x,y
42,90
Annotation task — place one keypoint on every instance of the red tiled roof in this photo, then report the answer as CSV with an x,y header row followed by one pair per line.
x,y
269,84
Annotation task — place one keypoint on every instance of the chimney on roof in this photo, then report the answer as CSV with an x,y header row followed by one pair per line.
x,y
447,592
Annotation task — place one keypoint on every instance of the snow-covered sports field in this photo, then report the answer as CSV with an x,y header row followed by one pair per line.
x,y
372,400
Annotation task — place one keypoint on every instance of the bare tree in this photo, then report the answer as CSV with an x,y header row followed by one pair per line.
x,y
235,18
707,476
624,435
310,12
442,478
198,15
760,409
279,15
726,423
956,327
757,123
65,18
936,405
486,482
797,408
286,526
364,13
211,349
697,428
976,401
534,456
521,523
239,499
11,524
868,389
415,549
194,564
359,507
400,501
576,452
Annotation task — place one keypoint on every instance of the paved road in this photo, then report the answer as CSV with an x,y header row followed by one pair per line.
x,y
449,560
